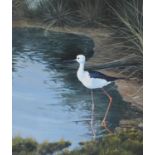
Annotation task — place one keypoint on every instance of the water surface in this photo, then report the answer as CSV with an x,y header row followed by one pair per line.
x,y
49,103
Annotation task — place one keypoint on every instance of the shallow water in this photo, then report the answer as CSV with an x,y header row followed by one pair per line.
x,y
49,103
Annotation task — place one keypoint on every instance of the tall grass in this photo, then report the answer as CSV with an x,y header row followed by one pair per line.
x,y
127,28
124,19
129,23
17,11
58,13
90,12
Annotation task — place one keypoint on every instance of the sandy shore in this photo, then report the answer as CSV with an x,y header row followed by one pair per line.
x,y
132,90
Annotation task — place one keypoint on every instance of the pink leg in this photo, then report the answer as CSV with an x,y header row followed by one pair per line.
x,y
104,123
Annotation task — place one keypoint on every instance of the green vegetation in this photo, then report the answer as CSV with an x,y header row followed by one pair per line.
x,y
23,146
46,147
29,146
126,142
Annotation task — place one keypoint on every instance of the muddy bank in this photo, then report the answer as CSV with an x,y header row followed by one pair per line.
x,y
131,90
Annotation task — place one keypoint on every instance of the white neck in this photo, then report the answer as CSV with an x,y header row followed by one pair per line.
x,y
81,67
80,71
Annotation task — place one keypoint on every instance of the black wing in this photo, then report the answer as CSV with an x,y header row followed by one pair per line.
x,y
95,74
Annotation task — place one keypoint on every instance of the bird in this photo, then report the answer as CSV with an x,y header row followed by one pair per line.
x,y
94,80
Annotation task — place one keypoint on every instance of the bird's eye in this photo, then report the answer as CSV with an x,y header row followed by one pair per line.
x,y
77,58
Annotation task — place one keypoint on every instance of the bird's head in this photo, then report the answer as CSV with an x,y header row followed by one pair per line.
x,y
80,59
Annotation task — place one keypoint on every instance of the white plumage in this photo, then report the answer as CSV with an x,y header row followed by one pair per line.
x,y
86,79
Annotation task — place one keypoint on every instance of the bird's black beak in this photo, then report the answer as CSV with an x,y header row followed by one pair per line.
x,y
69,61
